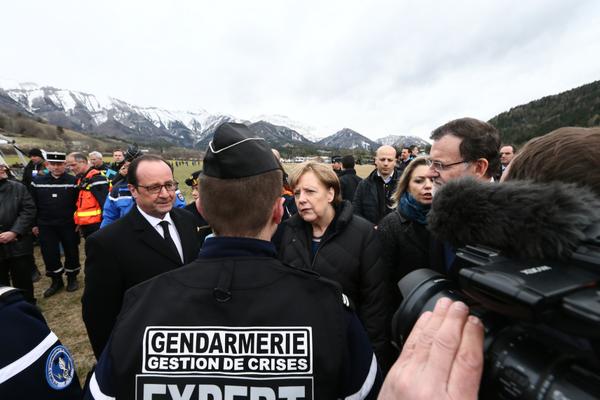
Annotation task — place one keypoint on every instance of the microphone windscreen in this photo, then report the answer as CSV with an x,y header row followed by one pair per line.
x,y
520,218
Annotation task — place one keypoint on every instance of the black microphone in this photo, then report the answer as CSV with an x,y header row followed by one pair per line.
x,y
520,218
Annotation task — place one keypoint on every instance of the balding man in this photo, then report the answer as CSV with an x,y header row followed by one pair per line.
x,y
372,198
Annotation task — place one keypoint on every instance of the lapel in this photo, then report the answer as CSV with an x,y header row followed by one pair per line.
x,y
188,241
149,236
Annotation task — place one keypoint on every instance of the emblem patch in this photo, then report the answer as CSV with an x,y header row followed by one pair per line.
x,y
60,368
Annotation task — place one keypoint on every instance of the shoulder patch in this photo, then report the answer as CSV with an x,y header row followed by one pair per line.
x,y
60,368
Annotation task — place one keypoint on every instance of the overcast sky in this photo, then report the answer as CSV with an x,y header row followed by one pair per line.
x,y
378,67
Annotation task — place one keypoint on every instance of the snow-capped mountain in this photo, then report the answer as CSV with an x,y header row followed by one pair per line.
x,y
308,131
279,136
348,139
109,116
402,140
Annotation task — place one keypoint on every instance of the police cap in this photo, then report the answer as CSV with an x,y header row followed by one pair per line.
x,y
235,152
54,156
193,178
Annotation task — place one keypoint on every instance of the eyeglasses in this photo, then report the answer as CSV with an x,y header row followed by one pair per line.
x,y
156,189
440,166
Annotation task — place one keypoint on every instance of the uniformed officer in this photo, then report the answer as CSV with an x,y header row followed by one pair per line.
x,y
55,195
203,227
237,323
33,362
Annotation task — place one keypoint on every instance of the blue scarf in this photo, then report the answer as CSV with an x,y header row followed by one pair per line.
x,y
413,210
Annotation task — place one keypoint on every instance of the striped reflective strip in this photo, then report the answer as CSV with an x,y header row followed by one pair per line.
x,y
88,213
72,270
6,289
367,384
56,271
95,390
119,198
51,186
98,183
24,362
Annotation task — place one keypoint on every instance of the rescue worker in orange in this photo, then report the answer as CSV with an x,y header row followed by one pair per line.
x,y
93,189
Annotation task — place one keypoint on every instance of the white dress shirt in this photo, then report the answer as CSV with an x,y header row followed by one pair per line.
x,y
155,222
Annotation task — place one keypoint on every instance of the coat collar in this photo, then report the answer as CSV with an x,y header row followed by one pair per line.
x,y
148,234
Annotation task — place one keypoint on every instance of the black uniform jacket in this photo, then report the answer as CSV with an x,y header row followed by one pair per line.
x,y
350,254
121,255
236,323
17,214
56,199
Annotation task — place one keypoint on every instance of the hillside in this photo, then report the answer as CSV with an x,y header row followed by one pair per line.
x,y
575,107
28,132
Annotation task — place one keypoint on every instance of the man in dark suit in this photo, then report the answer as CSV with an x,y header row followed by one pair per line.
x,y
151,239
462,147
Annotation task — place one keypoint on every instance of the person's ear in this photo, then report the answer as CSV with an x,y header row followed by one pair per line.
x,y
330,195
277,213
481,166
199,207
133,190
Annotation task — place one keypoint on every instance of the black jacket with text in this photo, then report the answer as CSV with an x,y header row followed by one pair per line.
x,y
236,323
121,255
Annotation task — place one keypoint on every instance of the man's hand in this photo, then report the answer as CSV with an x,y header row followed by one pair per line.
x,y
442,357
7,237
35,230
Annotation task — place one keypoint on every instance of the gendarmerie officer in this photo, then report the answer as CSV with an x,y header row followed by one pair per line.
x,y
33,362
203,227
237,323
55,195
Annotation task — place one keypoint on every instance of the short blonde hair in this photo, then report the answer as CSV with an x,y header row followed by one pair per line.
x,y
404,179
324,174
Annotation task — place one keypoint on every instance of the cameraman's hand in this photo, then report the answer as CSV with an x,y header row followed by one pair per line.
x,y
442,357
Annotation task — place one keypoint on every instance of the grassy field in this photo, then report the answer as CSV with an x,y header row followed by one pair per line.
x,y
63,311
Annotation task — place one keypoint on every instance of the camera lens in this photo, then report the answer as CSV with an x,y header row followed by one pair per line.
x,y
420,290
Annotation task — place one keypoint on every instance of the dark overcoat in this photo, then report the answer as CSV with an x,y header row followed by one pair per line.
x,y
121,255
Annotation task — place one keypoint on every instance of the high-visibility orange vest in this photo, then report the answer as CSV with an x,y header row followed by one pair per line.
x,y
89,211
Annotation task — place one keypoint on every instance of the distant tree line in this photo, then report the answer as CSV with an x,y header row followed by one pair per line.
x,y
576,107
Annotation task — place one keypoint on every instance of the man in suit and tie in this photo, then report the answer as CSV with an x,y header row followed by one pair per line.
x,y
151,239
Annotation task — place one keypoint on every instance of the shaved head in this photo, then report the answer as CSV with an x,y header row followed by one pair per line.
x,y
385,160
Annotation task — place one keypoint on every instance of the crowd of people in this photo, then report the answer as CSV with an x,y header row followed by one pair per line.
x,y
265,285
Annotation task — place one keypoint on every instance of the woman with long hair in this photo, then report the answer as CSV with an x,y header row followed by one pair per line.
x,y
404,233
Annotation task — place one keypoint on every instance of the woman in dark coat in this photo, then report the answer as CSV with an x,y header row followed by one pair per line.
x,y
404,232
325,236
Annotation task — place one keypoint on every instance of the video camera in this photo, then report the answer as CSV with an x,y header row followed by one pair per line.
x,y
541,318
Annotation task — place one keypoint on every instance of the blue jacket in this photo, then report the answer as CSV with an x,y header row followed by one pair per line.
x,y
119,202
